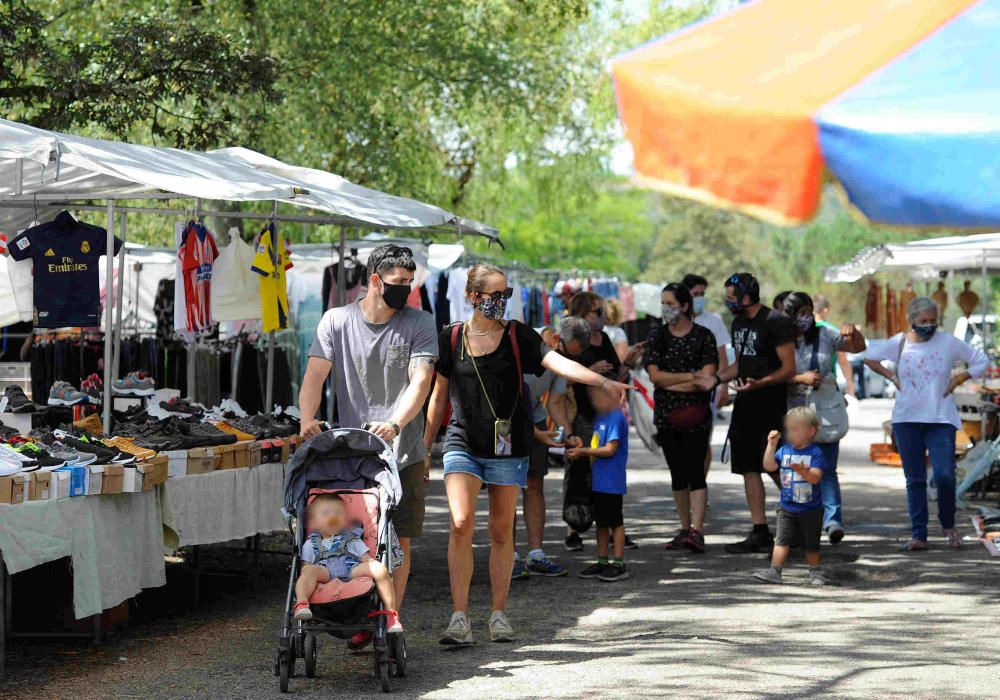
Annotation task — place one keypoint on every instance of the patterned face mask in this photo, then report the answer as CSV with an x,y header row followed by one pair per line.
x,y
671,314
492,309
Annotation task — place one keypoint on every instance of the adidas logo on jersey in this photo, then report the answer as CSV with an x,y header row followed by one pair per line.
x,y
50,253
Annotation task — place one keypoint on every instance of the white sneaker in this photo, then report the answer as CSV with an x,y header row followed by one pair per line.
x,y
459,632
9,464
500,627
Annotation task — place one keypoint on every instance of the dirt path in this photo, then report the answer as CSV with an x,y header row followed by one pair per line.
x,y
916,626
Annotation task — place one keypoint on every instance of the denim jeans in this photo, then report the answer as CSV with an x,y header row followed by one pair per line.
x,y
830,485
915,440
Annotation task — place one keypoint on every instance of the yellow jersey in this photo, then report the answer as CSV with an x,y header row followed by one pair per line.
x,y
271,261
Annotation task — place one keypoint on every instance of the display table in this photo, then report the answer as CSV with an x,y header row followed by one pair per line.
x,y
115,543
222,505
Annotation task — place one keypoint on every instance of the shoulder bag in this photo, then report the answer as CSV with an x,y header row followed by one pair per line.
x,y
829,405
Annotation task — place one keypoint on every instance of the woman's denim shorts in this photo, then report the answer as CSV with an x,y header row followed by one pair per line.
x,y
499,471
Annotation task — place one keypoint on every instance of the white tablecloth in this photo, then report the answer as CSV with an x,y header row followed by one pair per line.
x,y
222,505
115,543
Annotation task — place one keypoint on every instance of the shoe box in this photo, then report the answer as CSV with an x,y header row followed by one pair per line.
x,y
74,484
39,487
238,455
114,479
14,488
145,475
200,460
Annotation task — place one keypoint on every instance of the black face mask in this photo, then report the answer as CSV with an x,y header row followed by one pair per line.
x,y
395,295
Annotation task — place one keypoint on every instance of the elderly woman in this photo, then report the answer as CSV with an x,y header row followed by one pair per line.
x,y
816,349
925,418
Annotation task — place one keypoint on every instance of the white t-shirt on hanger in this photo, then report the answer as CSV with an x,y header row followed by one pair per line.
x,y
460,308
235,289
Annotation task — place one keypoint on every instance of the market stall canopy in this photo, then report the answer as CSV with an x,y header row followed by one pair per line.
x,y
751,110
923,259
48,165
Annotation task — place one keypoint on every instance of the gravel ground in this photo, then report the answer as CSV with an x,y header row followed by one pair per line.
x,y
916,626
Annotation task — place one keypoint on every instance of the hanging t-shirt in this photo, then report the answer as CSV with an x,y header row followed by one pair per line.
x,y
271,261
235,289
458,304
66,255
197,254
797,494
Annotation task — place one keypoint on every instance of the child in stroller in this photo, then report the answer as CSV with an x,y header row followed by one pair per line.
x,y
335,551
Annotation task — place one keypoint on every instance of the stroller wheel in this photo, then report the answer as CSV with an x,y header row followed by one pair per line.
x,y
397,650
284,670
381,657
310,655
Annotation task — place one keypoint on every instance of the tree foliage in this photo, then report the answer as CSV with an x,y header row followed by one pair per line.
x,y
140,70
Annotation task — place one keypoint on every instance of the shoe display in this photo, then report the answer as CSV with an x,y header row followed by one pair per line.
x,y
65,394
93,387
520,571
90,424
17,400
102,454
574,543
226,427
9,454
9,464
72,457
695,542
543,566
500,628
134,384
677,543
182,407
33,451
630,543
614,572
459,632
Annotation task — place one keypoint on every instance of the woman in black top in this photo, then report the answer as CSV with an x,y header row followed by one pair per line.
x,y
480,367
682,362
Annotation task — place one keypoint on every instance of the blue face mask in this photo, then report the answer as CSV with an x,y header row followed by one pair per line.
x,y
735,307
925,331
698,305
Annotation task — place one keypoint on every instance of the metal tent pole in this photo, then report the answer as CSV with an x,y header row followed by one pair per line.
x,y
275,259
108,310
985,306
341,292
117,347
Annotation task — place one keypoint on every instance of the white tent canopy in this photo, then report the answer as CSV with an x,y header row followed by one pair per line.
x,y
39,165
923,259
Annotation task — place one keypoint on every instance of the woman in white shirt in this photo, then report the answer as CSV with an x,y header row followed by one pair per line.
x,y
924,417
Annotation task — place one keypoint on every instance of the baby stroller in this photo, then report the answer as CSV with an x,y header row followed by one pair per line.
x,y
361,468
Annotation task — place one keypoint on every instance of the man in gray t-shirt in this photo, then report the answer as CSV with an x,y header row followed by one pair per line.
x,y
382,353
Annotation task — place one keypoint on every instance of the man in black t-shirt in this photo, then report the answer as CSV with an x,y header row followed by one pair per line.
x,y
764,341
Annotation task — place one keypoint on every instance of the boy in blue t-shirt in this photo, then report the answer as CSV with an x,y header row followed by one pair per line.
x,y
609,450
801,507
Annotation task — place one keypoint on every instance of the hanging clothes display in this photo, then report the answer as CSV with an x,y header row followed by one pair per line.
x,y
271,261
354,283
627,299
65,254
163,309
235,289
197,253
459,308
442,307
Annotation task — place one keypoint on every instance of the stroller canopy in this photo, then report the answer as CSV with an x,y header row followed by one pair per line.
x,y
346,458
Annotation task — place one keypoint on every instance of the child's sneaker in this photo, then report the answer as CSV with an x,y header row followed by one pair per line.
x,y
614,572
543,566
769,575
134,384
592,571
302,611
65,394
817,577
392,623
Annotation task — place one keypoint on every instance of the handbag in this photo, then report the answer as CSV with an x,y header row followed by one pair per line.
x,y
829,404
688,416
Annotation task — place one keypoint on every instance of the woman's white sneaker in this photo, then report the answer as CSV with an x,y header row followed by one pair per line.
x,y
459,632
500,627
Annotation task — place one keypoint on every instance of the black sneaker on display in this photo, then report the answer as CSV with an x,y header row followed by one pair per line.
x,y
574,543
104,455
182,407
212,433
17,400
